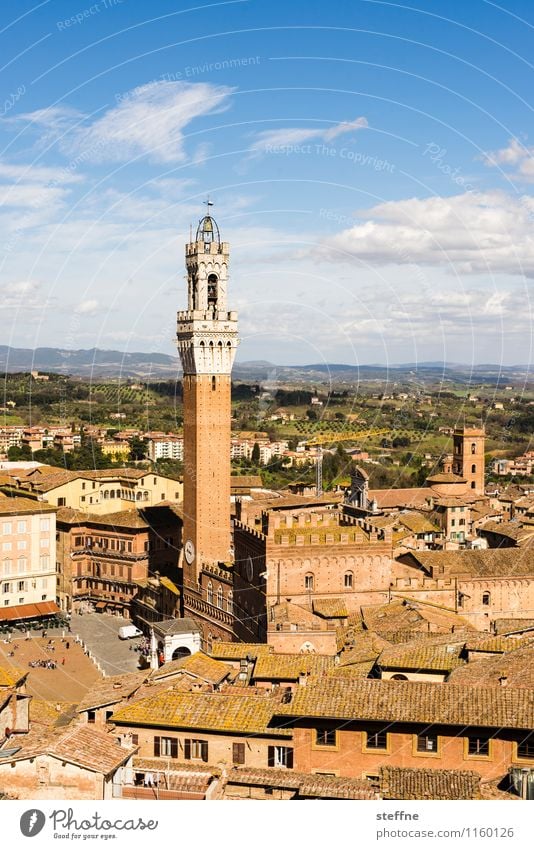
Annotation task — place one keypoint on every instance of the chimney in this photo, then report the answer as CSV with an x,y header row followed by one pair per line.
x,y
302,679
503,680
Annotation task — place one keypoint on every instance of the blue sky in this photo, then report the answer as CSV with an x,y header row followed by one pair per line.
x,y
371,164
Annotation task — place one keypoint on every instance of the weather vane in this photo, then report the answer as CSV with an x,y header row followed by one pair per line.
x,y
208,203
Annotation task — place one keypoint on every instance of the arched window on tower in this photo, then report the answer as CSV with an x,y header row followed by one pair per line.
x,y
473,448
349,580
214,382
220,598
473,469
212,291
486,599
230,602
209,593
309,581
473,485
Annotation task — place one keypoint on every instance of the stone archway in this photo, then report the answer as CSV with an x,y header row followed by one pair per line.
x,y
180,652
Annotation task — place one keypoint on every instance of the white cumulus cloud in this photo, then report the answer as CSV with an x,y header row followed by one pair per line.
x,y
471,233
298,135
515,156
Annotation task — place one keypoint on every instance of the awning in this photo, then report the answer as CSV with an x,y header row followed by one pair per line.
x,y
100,605
28,611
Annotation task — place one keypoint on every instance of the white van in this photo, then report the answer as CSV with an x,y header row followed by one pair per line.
x,y
128,632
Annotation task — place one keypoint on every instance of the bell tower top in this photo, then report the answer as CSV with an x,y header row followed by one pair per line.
x,y
207,329
208,230
207,260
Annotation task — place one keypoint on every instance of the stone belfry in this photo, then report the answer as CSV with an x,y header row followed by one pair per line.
x,y
207,342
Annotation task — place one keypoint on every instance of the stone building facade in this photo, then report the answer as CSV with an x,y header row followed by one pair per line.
x,y
301,556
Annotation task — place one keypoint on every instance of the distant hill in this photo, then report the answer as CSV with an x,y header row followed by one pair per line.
x,y
85,363
96,362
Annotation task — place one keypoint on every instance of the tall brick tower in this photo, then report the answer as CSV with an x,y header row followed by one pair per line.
x,y
207,341
468,456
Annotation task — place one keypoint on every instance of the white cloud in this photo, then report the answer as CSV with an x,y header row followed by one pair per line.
x,y
33,196
470,233
37,174
89,307
22,294
150,120
517,156
289,136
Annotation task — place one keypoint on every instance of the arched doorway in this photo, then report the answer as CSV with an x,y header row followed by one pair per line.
x,y
180,652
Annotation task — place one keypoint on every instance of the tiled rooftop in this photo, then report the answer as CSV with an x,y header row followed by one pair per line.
x,y
514,668
413,701
492,562
111,690
81,744
237,651
239,714
12,676
330,608
420,657
15,506
310,786
199,665
403,783
288,667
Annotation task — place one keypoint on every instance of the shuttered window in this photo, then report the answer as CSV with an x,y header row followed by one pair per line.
x,y
238,753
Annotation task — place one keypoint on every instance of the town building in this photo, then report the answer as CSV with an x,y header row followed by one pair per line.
x,y
304,554
98,491
105,561
27,560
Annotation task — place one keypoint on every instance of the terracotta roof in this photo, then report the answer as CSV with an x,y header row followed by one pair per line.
x,y
330,608
403,783
445,477
83,745
121,519
515,531
490,790
418,523
409,497
288,667
156,765
124,474
364,646
51,714
402,619
492,562
513,668
288,612
414,702
309,786
15,506
238,714
509,626
10,677
111,690
238,481
199,665
353,670
497,644
185,778
238,651
176,625
420,657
